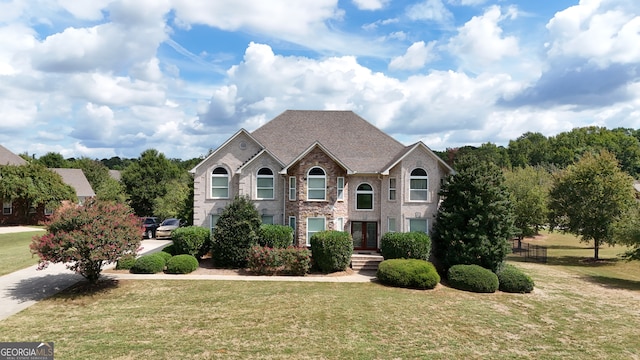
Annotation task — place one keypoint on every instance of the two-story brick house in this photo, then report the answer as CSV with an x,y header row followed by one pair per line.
x,y
320,170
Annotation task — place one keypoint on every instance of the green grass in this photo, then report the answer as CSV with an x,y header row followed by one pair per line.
x,y
15,253
569,315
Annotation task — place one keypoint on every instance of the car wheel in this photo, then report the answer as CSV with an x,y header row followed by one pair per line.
x,y
149,234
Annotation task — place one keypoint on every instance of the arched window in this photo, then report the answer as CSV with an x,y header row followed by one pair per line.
x,y
419,185
220,183
364,197
316,184
264,184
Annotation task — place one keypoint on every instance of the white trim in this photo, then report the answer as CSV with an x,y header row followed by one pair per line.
x,y
294,227
211,187
395,224
324,187
325,150
419,177
426,148
426,220
241,131
273,184
7,205
394,189
212,225
339,224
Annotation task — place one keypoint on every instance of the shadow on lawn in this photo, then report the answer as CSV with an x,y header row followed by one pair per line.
x,y
613,283
61,285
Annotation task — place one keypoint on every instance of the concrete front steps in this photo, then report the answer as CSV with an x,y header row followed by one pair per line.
x,y
365,262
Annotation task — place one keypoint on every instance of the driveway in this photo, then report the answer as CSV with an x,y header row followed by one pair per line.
x,y
25,287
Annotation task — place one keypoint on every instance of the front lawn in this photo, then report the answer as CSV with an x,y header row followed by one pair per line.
x,y
566,317
15,253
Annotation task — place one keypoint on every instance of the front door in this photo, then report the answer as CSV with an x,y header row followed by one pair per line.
x,y
365,235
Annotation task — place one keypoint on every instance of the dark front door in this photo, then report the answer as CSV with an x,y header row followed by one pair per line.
x,y
365,235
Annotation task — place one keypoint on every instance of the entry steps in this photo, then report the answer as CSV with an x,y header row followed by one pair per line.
x,y
365,262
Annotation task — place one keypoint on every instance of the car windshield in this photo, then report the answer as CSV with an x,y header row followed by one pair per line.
x,y
169,222
149,221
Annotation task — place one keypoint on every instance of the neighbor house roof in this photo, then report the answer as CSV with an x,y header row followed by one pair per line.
x,y
359,145
76,179
9,158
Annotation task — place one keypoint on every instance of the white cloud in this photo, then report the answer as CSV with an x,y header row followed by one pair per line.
x,y
480,42
602,32
86,10
430,10
416,57
370,4
466,2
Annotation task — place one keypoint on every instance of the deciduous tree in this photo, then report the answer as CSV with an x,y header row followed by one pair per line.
x,y
529,193
87,237
590,197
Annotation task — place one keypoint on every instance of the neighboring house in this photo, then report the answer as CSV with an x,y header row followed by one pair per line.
x,y
115,174
321,170
76,179
9,158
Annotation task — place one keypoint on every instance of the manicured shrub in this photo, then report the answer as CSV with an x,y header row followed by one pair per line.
x,y
513,280
235,233
411,245
191,240
331,250
165,256
149,264
126,262
264,260
275,236
269,261
408,273
472,278
182,264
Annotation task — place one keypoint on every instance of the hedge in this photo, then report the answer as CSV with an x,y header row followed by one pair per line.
x,y
275,236
472,278
191,240
269,261
411,245
182,264
126,262
408,273
513,280
149,264
331,250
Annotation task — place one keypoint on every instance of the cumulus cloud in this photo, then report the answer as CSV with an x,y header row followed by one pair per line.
x,y
416,57
370,4
480,42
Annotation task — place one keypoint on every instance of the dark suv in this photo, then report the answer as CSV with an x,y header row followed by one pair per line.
x,y
150,225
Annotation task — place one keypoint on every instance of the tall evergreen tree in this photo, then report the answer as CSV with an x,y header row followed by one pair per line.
x,y
475,220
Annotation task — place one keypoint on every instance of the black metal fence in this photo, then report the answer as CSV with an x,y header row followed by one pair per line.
x,y
530,252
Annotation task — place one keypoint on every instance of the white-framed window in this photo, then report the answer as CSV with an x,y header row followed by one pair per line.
x,y
391,224
7,207
340,188
292,188
292,224
316,184
339,224
264,184
267,219
213,221
419,225
314,225
419,185
364,197
48,211
392,189
220,183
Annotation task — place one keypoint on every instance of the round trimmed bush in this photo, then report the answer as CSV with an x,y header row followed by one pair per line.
x,y
472,278
408,273
165,255
331,250
411,245
149,264
275,236
126,262
182,264
513,280
191,240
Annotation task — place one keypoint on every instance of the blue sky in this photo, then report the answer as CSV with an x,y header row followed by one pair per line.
x,y
109,78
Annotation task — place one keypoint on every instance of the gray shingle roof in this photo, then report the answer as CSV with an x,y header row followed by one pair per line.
x,y
76,179
358,144
9,158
